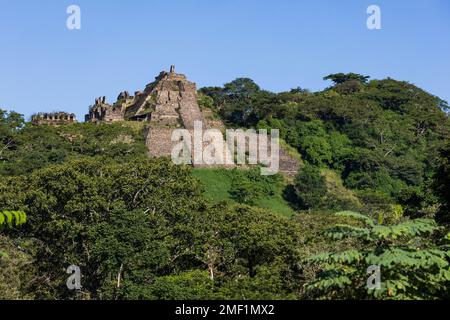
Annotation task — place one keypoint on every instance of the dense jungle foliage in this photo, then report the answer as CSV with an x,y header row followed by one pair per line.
x,y
372,190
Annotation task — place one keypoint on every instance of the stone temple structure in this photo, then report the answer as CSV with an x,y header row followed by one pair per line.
x,y
168,103
53,118
171,100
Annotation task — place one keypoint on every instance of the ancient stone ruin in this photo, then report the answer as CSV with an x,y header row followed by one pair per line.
x,y
167,104
53,118
171,100
176,107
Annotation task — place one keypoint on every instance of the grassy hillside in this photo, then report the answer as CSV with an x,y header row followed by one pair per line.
x,y
218,185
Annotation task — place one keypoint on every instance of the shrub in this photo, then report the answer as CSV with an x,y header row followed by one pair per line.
x,y
412,266
310,187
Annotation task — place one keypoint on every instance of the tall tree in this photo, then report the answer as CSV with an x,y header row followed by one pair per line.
x,y
442,185
339,78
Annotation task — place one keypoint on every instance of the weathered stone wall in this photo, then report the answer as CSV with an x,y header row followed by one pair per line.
x,y
104,113
171,100
54,118
189,109
289,165
176,107
159,142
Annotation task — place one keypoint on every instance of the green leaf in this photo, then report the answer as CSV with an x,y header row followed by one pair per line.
x,y
358,216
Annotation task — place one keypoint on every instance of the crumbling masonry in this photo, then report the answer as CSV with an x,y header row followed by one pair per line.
x,y
168,103
53,118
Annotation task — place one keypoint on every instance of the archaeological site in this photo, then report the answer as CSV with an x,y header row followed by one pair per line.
x,y
53,118
167,104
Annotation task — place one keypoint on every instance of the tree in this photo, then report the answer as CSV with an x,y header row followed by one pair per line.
x,y
339,78
205,102
247,107
190,285
245,192
141,230
33,147
312,141
310,187
241,87
129,251
16,271
237,241
316,150
14,264
442,185
412,266
10,122
349,87
66,203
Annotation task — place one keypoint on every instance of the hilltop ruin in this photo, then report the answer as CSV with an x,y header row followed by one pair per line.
x,y
171,100
53,118
167,104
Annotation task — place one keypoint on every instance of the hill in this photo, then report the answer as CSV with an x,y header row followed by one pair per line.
x,y
145,228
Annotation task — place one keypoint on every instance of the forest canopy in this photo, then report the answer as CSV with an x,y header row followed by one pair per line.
x,y
376,151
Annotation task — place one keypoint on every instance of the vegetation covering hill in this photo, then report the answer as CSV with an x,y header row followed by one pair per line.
x,y
381,137
29,147
143,228
245,187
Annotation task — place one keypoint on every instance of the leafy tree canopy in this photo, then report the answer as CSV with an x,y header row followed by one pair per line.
x,y
339,78
411,265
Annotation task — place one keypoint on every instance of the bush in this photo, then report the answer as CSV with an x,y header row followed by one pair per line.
x,y
245,192
411,265
310,187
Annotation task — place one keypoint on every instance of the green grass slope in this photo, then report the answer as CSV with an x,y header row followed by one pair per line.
x,y
218,183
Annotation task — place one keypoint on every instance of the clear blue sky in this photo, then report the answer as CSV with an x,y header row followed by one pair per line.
x,y
281,44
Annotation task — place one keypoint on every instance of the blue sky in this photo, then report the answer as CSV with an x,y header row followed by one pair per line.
x,y
123,45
